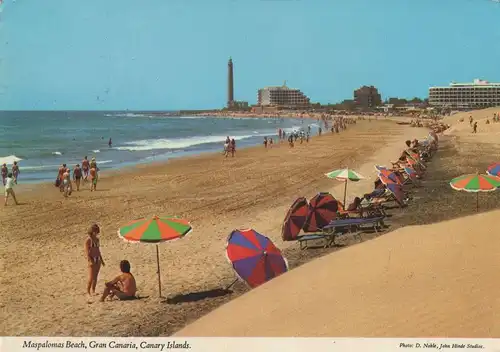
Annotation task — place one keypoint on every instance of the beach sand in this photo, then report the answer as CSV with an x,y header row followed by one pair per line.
x,y
42,288
436,278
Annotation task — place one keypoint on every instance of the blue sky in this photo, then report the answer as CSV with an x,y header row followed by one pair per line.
x,y
172,54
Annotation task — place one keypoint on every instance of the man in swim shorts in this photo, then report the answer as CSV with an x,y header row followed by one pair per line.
x,y
85,168
123,286
9,188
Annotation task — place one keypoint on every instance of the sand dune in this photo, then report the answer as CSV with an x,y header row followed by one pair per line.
x,y
437,280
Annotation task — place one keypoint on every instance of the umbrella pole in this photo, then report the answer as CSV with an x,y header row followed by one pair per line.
x,y
158,268
231,285
477,202
345,193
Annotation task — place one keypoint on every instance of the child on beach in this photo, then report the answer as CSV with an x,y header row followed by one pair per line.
x,y
9,188
77,176
85,168
5,171
123,286
94,257
60,178
15,172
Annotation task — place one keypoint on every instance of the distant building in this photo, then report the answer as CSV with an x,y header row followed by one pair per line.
x,y
282,96
478,94
230,83
367,97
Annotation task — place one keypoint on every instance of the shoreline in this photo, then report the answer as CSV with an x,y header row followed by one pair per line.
x,y
216,194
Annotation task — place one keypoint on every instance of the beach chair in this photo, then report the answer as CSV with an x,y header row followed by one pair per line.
x,y
326,237
354,226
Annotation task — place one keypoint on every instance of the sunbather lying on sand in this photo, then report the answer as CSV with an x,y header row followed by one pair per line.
x,y
123,286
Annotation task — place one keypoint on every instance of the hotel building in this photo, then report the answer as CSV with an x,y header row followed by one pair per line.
x,y
367,97
478,94
282,96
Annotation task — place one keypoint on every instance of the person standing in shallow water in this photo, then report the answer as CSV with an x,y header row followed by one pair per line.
x,y
94,257
15,171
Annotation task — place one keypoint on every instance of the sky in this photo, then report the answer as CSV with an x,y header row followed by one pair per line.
x,y
172,54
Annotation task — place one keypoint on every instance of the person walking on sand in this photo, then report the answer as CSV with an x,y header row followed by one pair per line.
x,y
94,257
265,142
66,180
77,176
85,168
5,171
474,127
123,286
93,178
226,148
233,147
60,177
9,188
15,172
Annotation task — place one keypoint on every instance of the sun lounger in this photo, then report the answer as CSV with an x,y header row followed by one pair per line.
x,y
352,225
326,237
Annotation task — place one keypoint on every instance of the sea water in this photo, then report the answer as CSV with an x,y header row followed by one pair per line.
x,y
43,140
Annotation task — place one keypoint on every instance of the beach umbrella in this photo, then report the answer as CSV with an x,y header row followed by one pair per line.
x,y
344,175
475,183
412,174
322,209
385,180
155,230
380,167
391,175
493,169
254,257
397,190
295,219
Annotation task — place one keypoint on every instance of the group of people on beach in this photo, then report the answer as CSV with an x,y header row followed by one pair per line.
x,y
87,172
9,179
122,286
229,147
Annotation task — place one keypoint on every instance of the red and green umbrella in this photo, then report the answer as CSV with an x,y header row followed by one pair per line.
x,y
475,183
155,230
344,175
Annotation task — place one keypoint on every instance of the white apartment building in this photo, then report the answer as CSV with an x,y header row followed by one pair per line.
x,y
478,94
281,96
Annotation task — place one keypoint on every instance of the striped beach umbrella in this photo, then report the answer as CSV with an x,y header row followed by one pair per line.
x,y
493,169
475,183
344,175
155,230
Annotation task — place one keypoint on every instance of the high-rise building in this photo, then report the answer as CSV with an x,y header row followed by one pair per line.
x,y
478,94
282,96
367,97
230,84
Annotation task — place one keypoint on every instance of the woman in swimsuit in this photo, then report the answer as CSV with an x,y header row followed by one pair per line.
x,y
77,176
94,257
85,168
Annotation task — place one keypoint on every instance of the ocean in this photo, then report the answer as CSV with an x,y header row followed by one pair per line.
x,y
43,140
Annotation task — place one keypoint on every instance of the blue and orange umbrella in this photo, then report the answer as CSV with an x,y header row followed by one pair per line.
x,y
397,190
412,174
323,209
254,257
493,169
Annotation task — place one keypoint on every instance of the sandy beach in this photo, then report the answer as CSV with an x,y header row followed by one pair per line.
x,y
434,278
42,240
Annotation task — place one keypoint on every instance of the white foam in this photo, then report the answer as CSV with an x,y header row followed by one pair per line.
x,y
192,117
56,153
104,161
9,160
153,144
96,151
